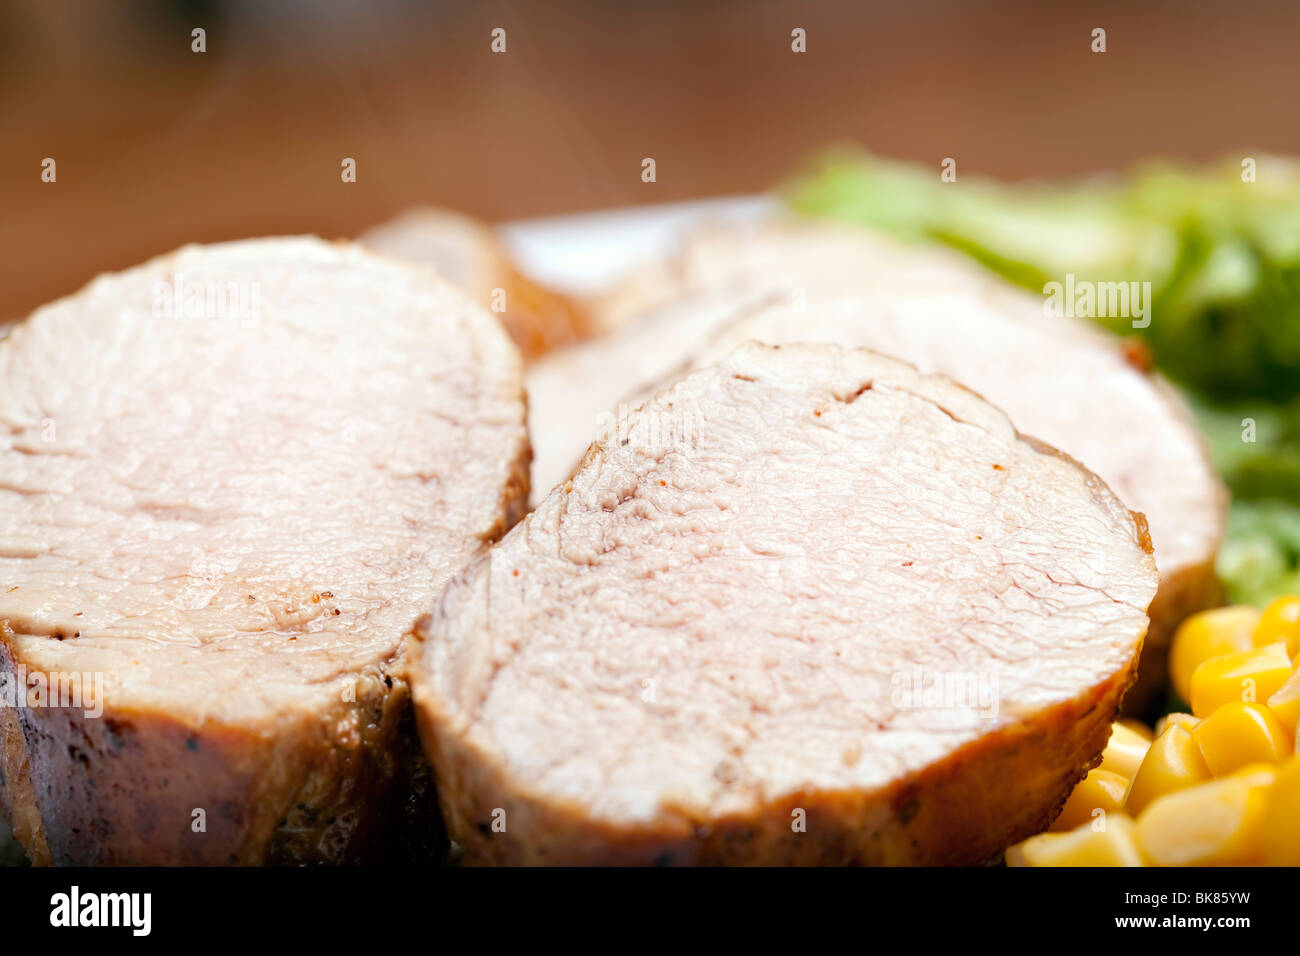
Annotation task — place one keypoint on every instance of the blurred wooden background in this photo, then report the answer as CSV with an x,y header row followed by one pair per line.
x,y
157,146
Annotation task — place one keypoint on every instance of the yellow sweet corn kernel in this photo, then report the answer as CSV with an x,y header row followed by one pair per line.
x,y
1280,622
1100,790
1252,675
1206,635
1139,728
1216,823
1113,843
1237,734
1186,720
1173,763
1260,774
1280,828
1124,751
1285,703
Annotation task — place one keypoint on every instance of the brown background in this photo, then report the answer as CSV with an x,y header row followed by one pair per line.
x,y
157,146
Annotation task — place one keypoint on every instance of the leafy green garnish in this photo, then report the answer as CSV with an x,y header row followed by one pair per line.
x,y
1259,558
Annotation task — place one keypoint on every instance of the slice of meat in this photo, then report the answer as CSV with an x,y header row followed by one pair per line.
x,y
809,607
1062,380
575,393
230,480
469,253
783,254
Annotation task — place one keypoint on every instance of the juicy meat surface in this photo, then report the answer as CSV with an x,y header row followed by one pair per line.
x,y
716,628
232,518
578,393
1058,379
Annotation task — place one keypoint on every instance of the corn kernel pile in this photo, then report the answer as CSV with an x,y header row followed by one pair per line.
x,y
1218,786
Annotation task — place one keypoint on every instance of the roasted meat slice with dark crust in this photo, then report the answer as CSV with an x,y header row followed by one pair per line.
x,y
806,605
230,479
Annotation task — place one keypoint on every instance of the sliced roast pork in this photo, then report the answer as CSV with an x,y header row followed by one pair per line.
x,y
1059,379
806,605
230,479
577,393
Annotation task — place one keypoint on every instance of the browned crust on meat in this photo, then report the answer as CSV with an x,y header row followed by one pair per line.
x,y
539,319
965,809
130,786
513,504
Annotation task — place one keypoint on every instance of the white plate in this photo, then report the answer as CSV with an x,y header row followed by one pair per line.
x,y
586,252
